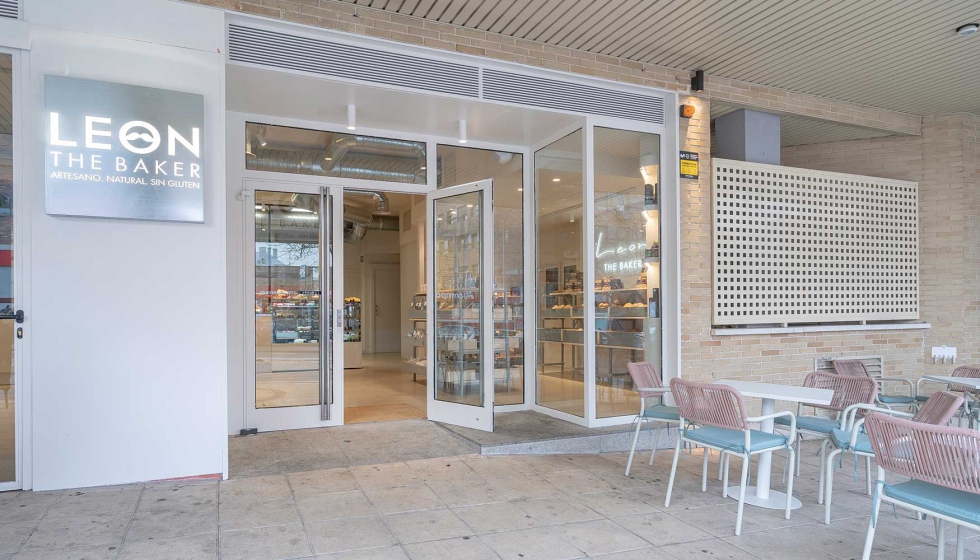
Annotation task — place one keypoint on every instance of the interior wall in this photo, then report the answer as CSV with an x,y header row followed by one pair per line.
x,y
376,247
127,318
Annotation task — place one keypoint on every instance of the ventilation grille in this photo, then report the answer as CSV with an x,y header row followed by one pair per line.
x,y
567,96
282,50
875,364
8,8
801,246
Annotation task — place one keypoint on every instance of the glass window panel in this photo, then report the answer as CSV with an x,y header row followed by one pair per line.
x,y
287,299
285,149
459,165
558,191
627,263
8,440
458,287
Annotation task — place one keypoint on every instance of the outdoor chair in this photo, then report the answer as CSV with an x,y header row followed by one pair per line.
x,y
848,390
936,411
714,417
646,382
857,367
943,463
972,372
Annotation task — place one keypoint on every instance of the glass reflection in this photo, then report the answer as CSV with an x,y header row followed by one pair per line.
x,y
8,464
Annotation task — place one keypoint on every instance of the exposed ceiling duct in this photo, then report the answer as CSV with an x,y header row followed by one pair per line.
x,y
357,222
388,159
380,199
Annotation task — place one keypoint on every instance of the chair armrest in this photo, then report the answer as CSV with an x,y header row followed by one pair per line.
x,y
850,414
912,387
792,421
661,390
919,382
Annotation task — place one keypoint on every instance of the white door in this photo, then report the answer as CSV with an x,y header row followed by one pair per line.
x,y
292,241
386,297
459,288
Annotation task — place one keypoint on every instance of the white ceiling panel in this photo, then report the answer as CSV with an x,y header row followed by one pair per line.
x,y
902,55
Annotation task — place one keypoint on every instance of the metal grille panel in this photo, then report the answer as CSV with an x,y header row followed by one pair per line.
x,y
569,96
801,246
875,364
9,8
326,58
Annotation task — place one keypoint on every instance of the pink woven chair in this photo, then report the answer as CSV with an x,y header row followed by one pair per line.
x,y
972,372
646,382
943,464
714,417
848,390
857,368
938,410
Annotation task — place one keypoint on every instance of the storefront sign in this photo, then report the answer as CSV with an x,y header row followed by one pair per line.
x,y
689,165
122,151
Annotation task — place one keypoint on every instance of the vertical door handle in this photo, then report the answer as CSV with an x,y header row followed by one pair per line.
x,y
340,319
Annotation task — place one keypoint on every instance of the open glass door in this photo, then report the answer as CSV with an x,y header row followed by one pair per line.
x,y
459,286
291,241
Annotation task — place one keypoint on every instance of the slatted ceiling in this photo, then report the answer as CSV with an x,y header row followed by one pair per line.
x,y
796,131
886,53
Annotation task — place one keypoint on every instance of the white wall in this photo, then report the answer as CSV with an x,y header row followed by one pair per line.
x,y
127,321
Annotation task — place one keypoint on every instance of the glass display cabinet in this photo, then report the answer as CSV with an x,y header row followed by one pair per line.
x,y
353,348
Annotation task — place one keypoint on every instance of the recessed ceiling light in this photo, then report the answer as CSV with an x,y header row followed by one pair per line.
x,y
469,206
968,29
556,180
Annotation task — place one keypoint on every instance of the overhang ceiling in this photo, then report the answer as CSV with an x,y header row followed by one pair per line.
x,y
794,131
902,55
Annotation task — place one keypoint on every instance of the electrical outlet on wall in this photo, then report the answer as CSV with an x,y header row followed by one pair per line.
x,y
943,353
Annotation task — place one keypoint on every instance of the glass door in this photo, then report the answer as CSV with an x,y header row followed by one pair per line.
x,y
459,285
10,319
293,338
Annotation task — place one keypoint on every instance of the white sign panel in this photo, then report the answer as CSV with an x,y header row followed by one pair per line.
x,y
123,151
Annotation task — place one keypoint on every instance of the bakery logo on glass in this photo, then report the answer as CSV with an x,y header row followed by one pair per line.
x,y
123,151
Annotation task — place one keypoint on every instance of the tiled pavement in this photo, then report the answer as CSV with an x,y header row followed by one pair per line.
x,y
459,508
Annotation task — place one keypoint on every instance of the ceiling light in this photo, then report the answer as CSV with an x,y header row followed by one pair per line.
x,y
968,29
422,168
556,180
261,136
462,131
301,210
520,190
469,206
351,115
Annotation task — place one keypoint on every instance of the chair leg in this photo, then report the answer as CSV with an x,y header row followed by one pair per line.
x,y
870,539
741,495
799,453
636,436
960,543
673,471
941,539
789,485
704,470
656,440
829,484
867,473
823,467
724,482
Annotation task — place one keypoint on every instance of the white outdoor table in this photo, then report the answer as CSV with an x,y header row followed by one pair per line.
x,y
965,381
760,494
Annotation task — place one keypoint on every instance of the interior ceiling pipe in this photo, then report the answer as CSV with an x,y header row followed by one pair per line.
x,y
390,154
380,199
357,222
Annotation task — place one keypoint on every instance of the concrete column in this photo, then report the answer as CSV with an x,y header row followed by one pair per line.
x,y
748,136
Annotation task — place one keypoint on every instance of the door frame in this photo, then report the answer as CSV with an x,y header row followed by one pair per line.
x,y
330,413
468,416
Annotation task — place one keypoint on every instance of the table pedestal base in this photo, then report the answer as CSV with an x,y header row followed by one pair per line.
x,y
776,500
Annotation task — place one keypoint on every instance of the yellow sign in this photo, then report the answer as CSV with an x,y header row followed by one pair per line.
x,y
689,165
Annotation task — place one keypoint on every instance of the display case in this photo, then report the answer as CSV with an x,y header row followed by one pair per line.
x,y
295,316
353,349
417,363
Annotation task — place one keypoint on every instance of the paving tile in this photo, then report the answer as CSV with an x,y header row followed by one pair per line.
x,y
17,507
531,544
641,554
493,518
342,535
101,502
600,537
258,514
258,489
64,532
523,487
555,511
403,498
781,544
191,495
448,469
492,467
547,463
173,523
719,521
196,547
462,548
593,462
577,482
384,553
341,505
385,476
312,483
617,504
14,533
265,543
431,525
711,548
661,529
97,552
455,494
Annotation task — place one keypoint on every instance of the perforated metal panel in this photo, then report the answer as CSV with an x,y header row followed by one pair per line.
x,y
9,8
305,54
801,246
568,96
